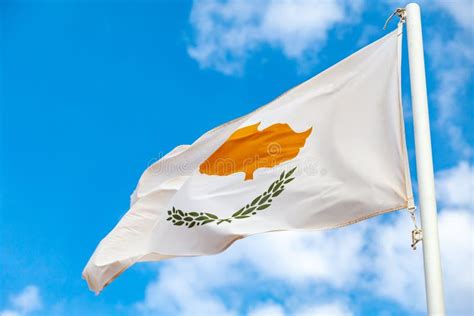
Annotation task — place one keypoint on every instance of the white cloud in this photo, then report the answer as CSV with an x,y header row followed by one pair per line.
x,y
457,250
193,285
269,309
448,46
451,60
333,309
185,288
455,186
398,271
304,257
28,300
25,302
226,32
453,76
8,312
461,10
455,189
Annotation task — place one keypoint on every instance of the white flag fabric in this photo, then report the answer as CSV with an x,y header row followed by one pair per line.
x,y
328,153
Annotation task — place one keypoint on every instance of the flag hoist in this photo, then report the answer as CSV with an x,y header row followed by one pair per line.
x,y
327,153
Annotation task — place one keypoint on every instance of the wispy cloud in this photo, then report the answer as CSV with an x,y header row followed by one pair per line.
x,y
452,58
455,186
24,302
226,32
334,308
267,309
461,10
453,76
398,271
194,285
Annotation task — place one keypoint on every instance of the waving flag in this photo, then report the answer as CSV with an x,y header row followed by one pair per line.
x,y
328,153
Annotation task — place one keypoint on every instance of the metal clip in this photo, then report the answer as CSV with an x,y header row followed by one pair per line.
x,y
416,236
417,233
411,210
400,12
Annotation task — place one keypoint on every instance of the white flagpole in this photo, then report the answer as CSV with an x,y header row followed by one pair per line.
x,y
424,163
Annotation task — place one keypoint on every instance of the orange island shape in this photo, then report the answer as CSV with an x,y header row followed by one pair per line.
x,y
248,149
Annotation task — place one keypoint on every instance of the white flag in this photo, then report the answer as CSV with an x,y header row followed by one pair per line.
x,y
328,153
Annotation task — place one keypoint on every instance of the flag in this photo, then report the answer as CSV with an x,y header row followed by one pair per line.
x,y
328,153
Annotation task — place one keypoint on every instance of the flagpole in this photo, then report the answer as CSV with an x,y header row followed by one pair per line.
x,y
424,163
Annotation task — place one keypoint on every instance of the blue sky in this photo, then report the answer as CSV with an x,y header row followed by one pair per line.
x,y
92,92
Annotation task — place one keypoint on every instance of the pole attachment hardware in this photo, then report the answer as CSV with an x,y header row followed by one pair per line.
x,y
417,233
400,12
416,236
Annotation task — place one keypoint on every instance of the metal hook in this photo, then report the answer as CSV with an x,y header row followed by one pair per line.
x,y
417,233
400,12
416,237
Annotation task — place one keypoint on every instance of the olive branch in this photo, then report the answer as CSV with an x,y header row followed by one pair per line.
x,y
260,203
